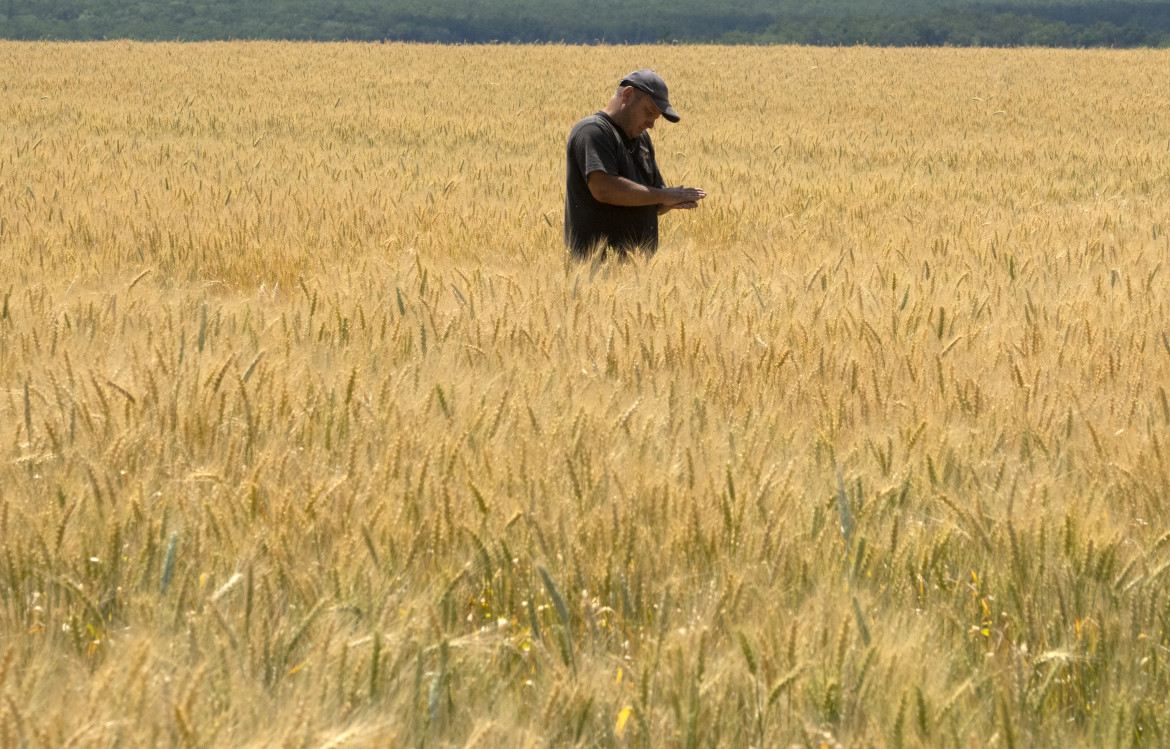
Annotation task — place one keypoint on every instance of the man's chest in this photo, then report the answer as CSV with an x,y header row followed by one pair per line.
x,y
637,161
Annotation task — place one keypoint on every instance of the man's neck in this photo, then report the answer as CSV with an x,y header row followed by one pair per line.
x,y
615,114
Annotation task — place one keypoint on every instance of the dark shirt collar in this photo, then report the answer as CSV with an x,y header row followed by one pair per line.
x,y
622,133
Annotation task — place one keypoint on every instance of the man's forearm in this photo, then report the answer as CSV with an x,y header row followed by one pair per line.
x,y
621,191
625,192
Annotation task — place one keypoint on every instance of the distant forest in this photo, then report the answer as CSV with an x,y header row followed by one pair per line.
x,y
1050,23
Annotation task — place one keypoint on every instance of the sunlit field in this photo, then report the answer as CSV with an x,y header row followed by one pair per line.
x,y
314,436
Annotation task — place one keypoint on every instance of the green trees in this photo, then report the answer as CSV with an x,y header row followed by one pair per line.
x,y
837,22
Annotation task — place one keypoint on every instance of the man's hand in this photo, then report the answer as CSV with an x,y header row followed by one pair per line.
x,y
683,197
663,208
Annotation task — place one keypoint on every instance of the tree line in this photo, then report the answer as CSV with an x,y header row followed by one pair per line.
x,y
873,22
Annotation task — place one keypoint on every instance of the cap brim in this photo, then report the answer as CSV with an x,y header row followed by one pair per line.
x,y
664,107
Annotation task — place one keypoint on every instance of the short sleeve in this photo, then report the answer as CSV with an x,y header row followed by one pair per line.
x,y
595,150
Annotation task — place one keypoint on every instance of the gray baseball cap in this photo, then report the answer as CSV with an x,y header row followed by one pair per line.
x,y
651,84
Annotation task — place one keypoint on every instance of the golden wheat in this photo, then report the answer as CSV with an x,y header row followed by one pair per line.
x,y
315,436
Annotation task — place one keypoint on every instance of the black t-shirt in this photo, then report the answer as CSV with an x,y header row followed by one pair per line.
x,y
597,144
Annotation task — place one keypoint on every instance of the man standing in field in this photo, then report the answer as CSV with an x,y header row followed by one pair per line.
x,y
614,192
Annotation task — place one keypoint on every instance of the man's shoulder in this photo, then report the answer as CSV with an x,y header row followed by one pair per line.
x,y
594,123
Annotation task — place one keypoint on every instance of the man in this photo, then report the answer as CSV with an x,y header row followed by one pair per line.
x,y
614,192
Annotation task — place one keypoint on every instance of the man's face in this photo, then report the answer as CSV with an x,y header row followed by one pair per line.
x,y
642,113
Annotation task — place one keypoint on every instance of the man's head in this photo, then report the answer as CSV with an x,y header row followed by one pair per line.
x,y
640,100
651,84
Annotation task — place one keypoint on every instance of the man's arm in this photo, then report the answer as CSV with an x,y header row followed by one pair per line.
x,y
608,188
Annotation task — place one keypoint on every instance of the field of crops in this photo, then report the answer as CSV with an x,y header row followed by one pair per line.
x,y
313,436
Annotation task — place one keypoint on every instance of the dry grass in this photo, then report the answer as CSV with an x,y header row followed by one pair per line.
x,y
312,435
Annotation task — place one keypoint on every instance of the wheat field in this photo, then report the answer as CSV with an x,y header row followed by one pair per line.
x,y
313,435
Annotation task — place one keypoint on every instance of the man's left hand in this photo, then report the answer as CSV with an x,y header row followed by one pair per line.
x,y
685,206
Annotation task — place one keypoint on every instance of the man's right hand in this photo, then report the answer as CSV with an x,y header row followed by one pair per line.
x,y
679,197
